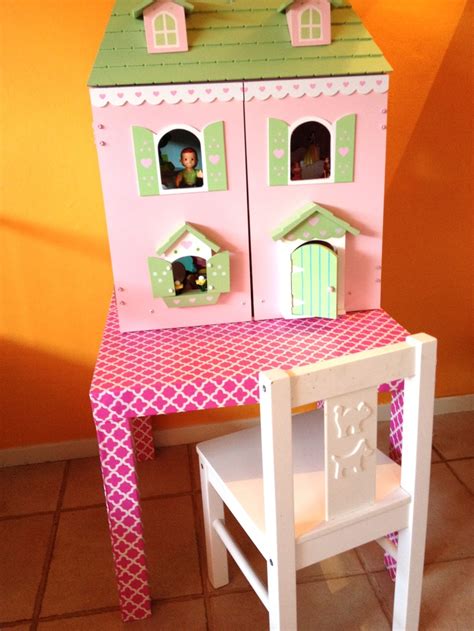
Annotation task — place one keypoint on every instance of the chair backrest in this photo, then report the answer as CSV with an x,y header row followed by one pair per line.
x,y
348,386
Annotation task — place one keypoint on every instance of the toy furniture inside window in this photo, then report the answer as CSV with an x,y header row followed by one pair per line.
x,y
191,270
307,488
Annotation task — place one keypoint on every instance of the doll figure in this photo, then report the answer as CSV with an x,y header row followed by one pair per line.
x,y
296,171
189,176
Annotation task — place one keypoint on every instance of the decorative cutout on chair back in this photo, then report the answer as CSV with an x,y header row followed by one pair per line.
x,y
350,434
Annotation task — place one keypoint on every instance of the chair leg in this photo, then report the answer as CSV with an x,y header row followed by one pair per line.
x,y
409,579
281,597
213,508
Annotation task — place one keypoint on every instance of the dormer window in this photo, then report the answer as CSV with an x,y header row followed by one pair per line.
x,y
309,21
310,28
165,24
166,31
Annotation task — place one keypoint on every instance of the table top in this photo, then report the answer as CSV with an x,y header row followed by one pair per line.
x,y
177,370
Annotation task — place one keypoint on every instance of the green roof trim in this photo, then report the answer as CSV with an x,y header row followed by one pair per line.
x,y
304,225
242,41
334,3
186,227
137,11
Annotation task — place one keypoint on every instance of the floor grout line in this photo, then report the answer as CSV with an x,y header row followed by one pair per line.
x,y
373,584
49,550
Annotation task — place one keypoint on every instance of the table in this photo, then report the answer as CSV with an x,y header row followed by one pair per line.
x,y
146,373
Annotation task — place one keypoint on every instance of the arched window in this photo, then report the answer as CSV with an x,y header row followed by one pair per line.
x,y
180,160
166,30
310,24
310,147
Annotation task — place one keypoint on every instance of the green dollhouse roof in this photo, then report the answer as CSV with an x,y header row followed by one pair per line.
x,y
243,40
186,227
137,10
312,221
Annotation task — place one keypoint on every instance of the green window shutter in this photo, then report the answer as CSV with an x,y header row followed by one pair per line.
x,y
218,273
161,276
278,159
345,147
215,169
145,161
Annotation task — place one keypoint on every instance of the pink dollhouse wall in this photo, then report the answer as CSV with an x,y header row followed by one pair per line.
x,y
138,225
359,202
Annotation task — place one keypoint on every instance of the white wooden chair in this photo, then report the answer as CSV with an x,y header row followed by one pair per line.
x,y
307,488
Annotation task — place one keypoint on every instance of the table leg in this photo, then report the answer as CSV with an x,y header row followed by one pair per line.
x,y
143,438
395,452
124,514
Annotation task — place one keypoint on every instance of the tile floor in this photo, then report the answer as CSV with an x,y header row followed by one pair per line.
x,y
56,568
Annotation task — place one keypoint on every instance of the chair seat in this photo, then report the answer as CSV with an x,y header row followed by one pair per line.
x,y
235,469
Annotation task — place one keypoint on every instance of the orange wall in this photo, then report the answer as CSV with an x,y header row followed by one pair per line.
x,y
55,271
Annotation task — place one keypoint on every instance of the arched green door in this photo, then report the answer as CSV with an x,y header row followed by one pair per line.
x,y
314,281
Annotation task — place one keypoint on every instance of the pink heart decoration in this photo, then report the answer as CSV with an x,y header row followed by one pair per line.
x,y
214,159
174,92
208,90
329,84
343,151
191,300
313,85
278,153
345,83
225,90
146,162
262,88
362,82
313,221
138,93
306,235
379,82
209,298
279,87
156,93
120,95
176,301
190,91
296,86
186,244
102,96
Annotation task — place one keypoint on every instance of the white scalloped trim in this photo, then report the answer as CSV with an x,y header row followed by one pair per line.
x,y
260,90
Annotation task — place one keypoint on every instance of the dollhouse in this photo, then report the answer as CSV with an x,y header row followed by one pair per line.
x,y
241,148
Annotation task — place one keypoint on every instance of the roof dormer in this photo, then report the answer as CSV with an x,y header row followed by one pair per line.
x,y
309,21
165,24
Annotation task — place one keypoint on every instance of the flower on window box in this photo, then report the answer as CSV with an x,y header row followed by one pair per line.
x,y
178,286
201,282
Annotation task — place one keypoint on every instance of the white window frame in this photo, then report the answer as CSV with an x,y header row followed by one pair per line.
x,y
331,129
311,25
200,136
164,31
